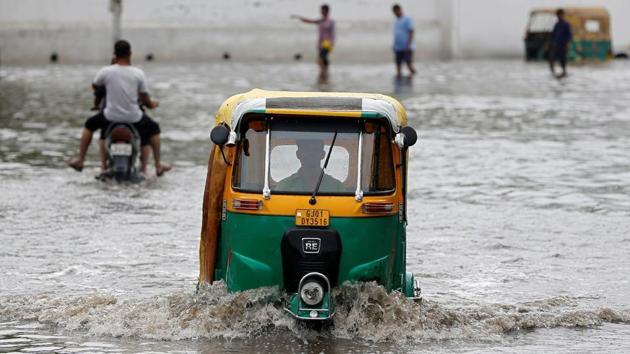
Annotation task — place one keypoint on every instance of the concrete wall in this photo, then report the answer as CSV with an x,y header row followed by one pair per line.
x,y
81,30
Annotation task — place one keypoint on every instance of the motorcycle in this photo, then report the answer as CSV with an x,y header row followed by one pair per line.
x,y
122,147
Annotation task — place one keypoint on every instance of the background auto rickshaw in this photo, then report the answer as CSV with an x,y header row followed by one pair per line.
x,y
591,33
306,191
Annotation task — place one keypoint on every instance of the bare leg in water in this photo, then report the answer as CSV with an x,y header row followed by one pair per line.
x,y
155,146
101,154
323,72
563,65
145,150
412,70
86,139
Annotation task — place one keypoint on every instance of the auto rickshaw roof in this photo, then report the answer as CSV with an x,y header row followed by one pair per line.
x,y
596,11
325,104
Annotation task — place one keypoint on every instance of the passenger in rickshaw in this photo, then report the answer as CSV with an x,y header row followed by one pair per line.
x,y
310,153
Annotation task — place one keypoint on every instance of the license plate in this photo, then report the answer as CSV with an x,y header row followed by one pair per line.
x,y
312,217
120,149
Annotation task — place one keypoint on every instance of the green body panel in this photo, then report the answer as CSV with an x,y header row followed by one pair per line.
x,y
377,268
243,266
589,50
581,50
249,253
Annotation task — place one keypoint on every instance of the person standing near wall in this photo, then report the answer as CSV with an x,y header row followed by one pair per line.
x,y
559,44
325,40
404,45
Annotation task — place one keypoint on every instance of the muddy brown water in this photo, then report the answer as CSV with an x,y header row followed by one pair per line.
x,y
519,230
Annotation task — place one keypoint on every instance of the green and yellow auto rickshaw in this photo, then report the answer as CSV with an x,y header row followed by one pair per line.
x,y
306,191
591,33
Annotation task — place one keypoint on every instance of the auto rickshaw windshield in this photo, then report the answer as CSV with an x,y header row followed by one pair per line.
x,y
297,150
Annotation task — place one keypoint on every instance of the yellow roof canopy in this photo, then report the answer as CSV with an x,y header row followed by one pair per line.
x,y
594,11
311,103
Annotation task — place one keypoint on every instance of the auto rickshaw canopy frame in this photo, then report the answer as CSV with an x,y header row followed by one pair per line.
x,y
324,104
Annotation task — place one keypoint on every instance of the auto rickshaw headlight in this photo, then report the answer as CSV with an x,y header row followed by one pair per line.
x,y
312,293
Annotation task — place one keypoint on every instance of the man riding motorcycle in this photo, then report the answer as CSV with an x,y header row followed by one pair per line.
x,y
125,86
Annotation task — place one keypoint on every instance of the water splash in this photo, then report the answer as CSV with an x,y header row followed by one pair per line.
x,y
364,312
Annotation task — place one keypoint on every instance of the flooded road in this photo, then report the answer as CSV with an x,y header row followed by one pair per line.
x,y
519,229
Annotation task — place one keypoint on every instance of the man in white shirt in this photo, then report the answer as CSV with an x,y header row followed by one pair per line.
x,y
124,86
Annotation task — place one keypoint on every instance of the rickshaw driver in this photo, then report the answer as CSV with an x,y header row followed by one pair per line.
x,y
310,153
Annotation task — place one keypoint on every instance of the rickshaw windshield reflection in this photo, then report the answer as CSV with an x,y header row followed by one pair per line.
x,y
542,22
298,149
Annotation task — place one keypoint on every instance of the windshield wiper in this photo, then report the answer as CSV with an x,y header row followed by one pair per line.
x,y
313,201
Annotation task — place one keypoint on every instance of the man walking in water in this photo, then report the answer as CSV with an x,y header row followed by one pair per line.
x,y
559,44
325,41
124,86
404,45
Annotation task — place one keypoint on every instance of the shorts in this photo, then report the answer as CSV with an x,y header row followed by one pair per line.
x,y
323,56
146,126
403,56
558,52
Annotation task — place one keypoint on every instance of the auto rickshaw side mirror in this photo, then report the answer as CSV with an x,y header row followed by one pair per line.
x,y
407,137
220,135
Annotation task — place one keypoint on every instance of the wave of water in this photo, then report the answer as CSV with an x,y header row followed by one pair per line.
x,y
364,312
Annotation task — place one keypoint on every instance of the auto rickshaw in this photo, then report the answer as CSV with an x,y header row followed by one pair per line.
x,y
306,191
591,33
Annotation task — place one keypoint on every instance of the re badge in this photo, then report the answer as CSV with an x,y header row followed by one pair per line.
x,y
311,245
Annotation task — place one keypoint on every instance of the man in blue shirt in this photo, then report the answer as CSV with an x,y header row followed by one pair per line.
x,y
403,40
559,43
